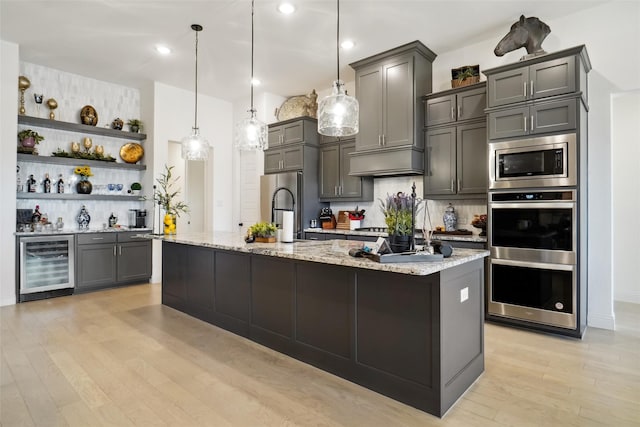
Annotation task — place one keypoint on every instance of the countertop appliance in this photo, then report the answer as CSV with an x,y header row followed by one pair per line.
x,y
304,190
137,218
46,266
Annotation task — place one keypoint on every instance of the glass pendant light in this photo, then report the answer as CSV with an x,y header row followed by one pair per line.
x,y
251,133
194,146
338,112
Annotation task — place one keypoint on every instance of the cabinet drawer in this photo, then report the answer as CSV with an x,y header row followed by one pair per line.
x,y
94,238
132,237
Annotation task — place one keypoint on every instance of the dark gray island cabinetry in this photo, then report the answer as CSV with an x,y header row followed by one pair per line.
x,y
413,332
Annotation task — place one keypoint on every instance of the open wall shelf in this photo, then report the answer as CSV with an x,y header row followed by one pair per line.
x,y
76,127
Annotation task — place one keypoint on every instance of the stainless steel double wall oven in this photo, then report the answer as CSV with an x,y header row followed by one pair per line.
x,y
533,222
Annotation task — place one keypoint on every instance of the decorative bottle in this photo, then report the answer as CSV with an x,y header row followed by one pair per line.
x,y
46,184
31,184
36,216
60,184
450,218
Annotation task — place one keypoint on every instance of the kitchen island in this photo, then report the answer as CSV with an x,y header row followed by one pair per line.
x,y
411,331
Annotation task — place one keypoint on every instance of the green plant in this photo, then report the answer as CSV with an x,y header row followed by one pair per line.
x,y
263,229
28,133
136,186
466,73
135,122
398,215
166,194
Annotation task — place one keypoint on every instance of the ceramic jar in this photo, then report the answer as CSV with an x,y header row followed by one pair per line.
x,y
450,219
83,218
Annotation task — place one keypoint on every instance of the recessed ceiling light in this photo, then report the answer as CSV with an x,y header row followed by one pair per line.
x,y
255,82
347,44
286,8
163,50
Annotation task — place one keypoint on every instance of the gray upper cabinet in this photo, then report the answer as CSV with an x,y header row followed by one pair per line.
x,y
287,133
456,143
448,107
335,182
292,143
538,118
536,81
388,87
456,160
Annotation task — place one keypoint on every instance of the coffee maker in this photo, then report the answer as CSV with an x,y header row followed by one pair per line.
x,y
137,218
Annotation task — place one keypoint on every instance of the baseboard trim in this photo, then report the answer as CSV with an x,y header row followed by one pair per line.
x,y
631,296
7,301
602,321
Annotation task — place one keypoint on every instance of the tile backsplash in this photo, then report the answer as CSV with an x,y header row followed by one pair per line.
x,y
465,209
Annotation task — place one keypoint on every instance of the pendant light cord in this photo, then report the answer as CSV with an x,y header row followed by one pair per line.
x,y
251,83
197,28
338,41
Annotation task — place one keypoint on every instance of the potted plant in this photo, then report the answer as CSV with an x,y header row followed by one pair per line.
x,y
135,188
264,232
165,197
464,76
134,125
29,138
398,216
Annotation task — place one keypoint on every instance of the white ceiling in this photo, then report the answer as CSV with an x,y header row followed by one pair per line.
x,y
113,40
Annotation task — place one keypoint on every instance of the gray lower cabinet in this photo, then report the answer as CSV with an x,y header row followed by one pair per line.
x,y
110,259
335,182
456,160
534,119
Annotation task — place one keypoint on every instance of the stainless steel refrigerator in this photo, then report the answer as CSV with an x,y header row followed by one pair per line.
x,y
293,191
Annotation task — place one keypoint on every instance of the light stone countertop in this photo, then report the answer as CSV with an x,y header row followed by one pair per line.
x,y
450,237
334,252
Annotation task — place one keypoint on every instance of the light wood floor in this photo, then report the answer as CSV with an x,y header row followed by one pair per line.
x,y
120,358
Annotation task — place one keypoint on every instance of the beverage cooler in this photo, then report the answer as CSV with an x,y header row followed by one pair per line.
x,y
46,267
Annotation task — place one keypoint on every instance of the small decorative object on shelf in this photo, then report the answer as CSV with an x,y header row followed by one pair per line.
x,y
117,123
464,76
59,224
75,147
31,184
131,152
23,84
38,98
28,140
88,116
60,185
113,220
262,232
83,186
52,104
46,184
87,143
99,150
83,218
526,32
135,125
135,188
450,218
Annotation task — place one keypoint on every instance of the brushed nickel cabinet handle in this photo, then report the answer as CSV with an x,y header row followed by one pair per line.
x,y
453,185
531,88
114,250
120,250
97,238
524,89
459,111
525,123
453,113
459,185
532,127
335,190
384,142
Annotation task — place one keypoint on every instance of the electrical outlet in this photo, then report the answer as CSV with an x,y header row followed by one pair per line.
x,y
464,294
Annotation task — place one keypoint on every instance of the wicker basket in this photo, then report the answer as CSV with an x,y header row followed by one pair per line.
x,y
466,82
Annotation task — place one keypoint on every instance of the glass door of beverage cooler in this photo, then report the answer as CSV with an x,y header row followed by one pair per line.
x,y
46,263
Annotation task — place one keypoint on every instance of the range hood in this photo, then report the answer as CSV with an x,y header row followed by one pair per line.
x,y
387,162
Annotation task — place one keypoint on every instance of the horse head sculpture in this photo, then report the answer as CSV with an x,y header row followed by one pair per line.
x,y
528,33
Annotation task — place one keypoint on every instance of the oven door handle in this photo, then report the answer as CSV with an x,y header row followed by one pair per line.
x,y
542,265
533,205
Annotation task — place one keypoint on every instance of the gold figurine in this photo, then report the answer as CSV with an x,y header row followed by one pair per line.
x,y
52,104
23,84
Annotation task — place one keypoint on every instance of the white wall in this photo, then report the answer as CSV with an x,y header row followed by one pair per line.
x,y
9,65
172,120
625,145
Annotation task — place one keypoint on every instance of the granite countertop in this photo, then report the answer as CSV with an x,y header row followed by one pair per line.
x,y
77,231
334,252
460,238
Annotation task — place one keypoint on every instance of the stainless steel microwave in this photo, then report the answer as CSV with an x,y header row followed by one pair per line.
x,y
549,161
